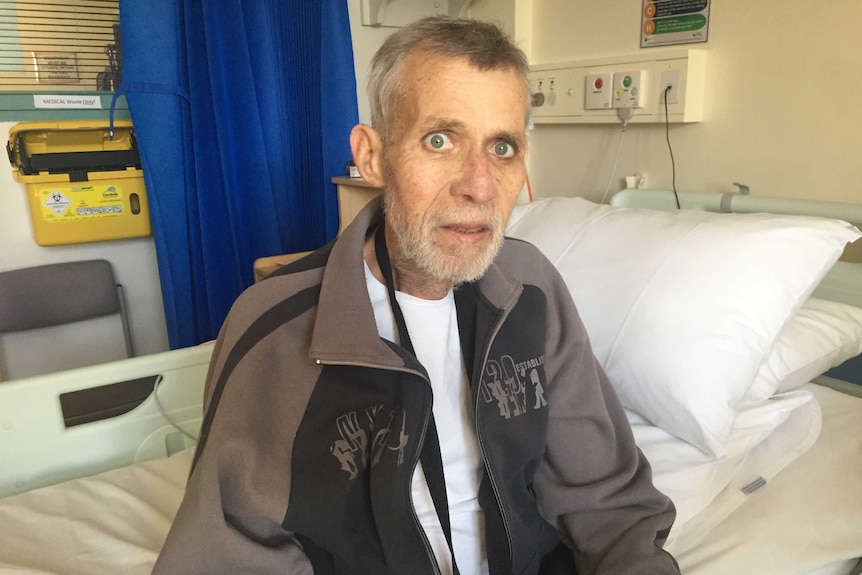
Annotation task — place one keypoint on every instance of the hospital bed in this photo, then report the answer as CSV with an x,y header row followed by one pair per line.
x,y
89,483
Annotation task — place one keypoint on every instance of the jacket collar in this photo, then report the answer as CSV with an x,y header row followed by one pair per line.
x,y
345,331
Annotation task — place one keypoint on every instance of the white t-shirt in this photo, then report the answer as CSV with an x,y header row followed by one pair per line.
x,y
433,329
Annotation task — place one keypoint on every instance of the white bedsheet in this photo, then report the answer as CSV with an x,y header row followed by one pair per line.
x,y
806,520
108,524
704,488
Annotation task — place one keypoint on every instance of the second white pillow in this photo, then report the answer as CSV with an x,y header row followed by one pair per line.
x,y
821,335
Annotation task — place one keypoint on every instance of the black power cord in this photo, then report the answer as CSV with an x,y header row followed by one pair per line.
x,y
670,149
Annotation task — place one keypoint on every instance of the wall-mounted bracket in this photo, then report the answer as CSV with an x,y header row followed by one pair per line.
x,y
374,12
458,8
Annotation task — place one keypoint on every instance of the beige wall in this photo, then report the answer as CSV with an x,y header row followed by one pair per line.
x,y
781,111
366,41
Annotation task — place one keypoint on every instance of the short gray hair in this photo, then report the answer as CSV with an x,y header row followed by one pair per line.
x,y
485,45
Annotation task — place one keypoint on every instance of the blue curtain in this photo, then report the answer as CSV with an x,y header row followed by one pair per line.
x,y
242,111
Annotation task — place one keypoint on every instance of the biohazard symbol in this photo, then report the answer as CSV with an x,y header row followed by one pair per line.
x,y
57,202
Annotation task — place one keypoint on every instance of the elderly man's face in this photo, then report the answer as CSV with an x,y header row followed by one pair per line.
x,y
455,166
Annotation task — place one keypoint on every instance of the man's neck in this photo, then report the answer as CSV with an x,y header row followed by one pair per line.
x,y
407,278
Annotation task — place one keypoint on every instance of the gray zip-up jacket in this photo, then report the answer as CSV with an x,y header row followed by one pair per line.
x,y
313,426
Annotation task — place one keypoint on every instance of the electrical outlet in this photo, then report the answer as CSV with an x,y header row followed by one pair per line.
x,y
669,78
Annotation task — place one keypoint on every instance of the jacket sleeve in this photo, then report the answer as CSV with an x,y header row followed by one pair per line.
x,y
594,483
204,540
229,521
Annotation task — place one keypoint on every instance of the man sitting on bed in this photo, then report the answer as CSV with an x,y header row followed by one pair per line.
x,y
320,451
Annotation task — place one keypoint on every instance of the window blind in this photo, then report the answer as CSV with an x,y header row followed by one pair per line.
x,y
50,45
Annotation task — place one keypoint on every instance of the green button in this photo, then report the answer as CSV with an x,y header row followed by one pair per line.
x,y
627,81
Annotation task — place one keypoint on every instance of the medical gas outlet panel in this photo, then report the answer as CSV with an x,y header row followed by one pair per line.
x,y
591,91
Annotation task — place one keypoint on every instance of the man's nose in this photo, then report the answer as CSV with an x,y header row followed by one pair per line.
x,y
476,180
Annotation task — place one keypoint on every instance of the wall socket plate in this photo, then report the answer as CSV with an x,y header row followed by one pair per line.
x,y
669,78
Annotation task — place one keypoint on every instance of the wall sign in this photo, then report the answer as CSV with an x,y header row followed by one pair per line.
x,y
56,67
668,22
66,102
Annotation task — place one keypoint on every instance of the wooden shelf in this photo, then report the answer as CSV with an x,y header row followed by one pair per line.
x,y
353,194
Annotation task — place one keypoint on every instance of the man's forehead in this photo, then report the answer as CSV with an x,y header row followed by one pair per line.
x,y
446,92
424,65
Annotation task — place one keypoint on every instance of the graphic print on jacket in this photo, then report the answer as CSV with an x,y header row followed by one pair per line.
x,y
512,421
363,442
507,382
361,434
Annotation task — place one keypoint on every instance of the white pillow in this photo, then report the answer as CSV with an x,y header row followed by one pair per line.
x,y
820,336
682,307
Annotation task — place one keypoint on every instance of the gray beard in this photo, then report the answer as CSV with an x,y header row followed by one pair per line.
x,y
416,245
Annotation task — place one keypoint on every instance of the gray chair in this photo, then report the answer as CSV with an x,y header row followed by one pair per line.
x,y
60,316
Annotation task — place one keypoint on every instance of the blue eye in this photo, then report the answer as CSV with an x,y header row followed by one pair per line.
x,y
438,141
504,150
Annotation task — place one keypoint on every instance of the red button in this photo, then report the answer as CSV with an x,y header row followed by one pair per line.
x,y
599,83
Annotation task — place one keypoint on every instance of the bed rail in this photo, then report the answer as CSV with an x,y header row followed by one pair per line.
x,y
39,446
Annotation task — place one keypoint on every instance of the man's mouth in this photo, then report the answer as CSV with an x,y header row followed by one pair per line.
x,y
467,229
465,235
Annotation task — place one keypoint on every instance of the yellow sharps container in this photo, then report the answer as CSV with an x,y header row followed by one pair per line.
x,y
82,185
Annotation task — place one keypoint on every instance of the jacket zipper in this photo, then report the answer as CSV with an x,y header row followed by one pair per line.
x,y
416,521
494,487
426,417
479,434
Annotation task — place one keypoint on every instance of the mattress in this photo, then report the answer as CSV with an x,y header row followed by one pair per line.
x,y
808,519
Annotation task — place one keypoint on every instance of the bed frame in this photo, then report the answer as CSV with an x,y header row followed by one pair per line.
x,y
46,439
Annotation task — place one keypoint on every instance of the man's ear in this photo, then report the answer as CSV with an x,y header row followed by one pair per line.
x,y
367,147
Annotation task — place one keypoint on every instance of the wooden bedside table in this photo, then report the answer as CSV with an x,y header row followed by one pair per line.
x,y
353,194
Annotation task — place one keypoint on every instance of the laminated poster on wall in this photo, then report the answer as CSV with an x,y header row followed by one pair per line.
x,y
670,22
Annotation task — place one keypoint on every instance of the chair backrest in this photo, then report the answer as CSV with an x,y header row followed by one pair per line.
x,y
60,316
